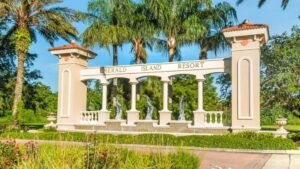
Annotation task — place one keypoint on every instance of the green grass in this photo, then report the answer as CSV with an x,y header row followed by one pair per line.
x,y
291,128
243,140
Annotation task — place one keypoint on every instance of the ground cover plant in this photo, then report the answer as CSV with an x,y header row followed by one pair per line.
x,y
243,140
90,156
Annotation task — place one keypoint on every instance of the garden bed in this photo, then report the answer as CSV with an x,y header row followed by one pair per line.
x,y
33,155
243,140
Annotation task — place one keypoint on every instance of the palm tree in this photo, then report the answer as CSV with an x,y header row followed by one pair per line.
x,y
142,28
27,17
173,17
107,25
215,19
284,3
107,21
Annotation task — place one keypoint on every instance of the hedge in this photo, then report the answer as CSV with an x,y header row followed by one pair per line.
x,y
242,140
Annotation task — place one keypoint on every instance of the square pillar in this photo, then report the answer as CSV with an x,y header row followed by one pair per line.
x,y
72,92
246,40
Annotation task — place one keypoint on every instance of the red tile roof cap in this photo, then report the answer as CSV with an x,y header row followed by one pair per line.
x,y
72,46
245,26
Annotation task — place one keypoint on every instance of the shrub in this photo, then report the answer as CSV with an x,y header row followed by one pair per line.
x,y
242,140
9,154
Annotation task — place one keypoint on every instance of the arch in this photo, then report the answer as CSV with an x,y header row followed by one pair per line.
x,y
65,97
245,70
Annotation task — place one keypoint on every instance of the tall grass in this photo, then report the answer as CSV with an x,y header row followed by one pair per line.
x,y
105,157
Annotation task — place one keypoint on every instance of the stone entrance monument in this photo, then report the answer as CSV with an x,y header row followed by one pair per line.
x,y
244,67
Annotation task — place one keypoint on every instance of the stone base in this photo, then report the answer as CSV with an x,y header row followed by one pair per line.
x,y
103,116
199,118
164,117
241,129
132,117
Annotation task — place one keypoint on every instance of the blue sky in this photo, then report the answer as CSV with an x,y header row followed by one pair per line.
x,y
279,21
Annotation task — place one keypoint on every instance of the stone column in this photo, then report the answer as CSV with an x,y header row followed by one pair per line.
x,y
246,40
199,114
133,114
104,113
165,114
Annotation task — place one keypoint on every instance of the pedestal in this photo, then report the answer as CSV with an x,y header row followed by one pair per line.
x,y
164,117
103,116
132,117
199,118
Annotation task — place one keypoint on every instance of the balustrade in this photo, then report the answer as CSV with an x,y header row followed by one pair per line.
x,y
213,119
90,117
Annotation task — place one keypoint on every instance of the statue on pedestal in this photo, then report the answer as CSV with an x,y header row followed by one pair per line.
x,y
181,108
119,110
149,109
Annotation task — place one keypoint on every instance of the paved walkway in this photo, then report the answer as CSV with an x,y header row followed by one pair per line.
x,y
220,158
283,161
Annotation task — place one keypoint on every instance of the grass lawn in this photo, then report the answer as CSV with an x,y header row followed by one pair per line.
x,y
291,128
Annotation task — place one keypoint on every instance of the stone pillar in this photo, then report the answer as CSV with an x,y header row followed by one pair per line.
x,y
104,113
133,114
165,114
246,40
72,92
199,114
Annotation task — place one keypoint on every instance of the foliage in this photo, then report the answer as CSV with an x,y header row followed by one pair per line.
x,y
177,22
31,155
9,154
22,20
280,81
214,19
242,140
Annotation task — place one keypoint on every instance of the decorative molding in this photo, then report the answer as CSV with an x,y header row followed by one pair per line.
x,y
62,114
240,117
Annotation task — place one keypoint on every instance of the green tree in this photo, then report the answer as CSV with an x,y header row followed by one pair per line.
x,y
214,19
25,18
174,18
107,27
280,72
142,26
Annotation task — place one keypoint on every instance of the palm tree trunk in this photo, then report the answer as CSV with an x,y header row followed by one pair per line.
x,y
18,87
115,80
137,53
172,51
203,51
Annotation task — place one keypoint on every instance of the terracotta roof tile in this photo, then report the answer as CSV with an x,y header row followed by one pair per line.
x,y
244,26
72,46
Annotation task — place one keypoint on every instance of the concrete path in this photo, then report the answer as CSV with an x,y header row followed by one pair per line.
x,y
217,158
283,161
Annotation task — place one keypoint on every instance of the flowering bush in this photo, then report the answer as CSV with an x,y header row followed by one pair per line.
x,y
9,154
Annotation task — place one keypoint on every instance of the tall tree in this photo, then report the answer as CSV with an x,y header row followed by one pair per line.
x,y
214,19
142,27
25,18
107,25
173,17
280,70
